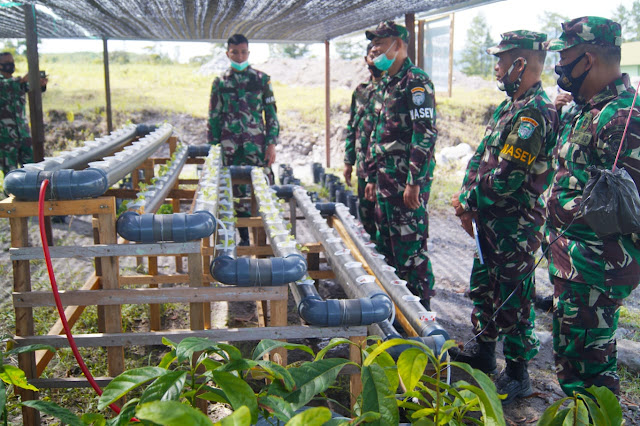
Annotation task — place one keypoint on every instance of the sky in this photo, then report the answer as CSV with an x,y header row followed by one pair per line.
x,y
501,17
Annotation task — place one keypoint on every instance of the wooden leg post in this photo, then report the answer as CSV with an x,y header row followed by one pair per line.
x,y
194,264
154,310
355,355
109,279
24,316
278,317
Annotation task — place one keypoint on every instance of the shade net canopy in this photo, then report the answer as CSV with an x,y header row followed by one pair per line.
x,y
206,20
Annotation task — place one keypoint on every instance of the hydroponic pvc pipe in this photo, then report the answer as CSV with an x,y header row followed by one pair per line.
x,y
408,303
178,227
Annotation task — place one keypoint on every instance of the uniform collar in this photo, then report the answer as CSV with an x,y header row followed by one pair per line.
x,y
611,91
402,71
230,72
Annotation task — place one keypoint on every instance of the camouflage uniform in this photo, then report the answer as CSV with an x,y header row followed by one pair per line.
x,y
242,118
503,182
591,275
402,153
365,107
15,140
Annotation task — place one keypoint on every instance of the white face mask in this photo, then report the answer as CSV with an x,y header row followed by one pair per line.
x,y
239,66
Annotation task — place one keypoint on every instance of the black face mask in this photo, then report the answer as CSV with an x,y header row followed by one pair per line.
x,y
375,71
566,81
8,67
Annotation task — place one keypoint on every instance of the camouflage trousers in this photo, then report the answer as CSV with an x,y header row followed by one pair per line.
x,y
514,323
13,156
585,320
402,238
366,210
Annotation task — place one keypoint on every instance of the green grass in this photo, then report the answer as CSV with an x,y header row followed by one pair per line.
x,y
630,319
78,88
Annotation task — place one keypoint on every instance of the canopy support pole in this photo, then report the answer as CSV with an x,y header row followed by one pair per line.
x,y
107,83
452,20
35,92
327,103
410,23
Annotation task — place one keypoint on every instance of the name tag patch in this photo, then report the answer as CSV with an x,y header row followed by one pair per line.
x,y
421,113
527,127
511,152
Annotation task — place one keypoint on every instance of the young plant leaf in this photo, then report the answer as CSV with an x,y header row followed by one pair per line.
x,y
411,366
337,341
96,419
316,416
12,375
127,381
188,346
595,412
550,413
127,412
240,417
377,396
165,388
29,348
267,345
172,413
168,359
608,403
277,406
238,392
311,378
52,409
278,372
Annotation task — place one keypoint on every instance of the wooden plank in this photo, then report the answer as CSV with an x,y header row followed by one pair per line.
x,y
132,194
218,335
102,250
249,222
144,296
355,355
188,181
109,281
9,207
263,250
278,318
72,313
322,275
24,316
154,308
126,280
69,382
196,310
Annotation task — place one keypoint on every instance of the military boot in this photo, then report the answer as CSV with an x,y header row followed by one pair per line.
x,y
426,303
514,381
480,355
244,236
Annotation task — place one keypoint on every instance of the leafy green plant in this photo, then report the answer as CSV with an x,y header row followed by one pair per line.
x,y
197,369
11,376
598,407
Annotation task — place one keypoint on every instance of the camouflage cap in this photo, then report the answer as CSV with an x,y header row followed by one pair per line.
x,y
589,30
520,39
388,29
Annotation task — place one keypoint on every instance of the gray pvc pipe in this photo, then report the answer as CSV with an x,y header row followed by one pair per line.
x,y
156,194
153,228
64,184
199,150
408,303
78,158
388,332
289,266
89,183
374,305
124,162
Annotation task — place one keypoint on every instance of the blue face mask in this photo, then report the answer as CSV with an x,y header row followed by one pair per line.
x,y
239,66
382,62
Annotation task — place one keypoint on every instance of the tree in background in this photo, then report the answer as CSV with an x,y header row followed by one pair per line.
x,y
551,25
629,19
17,47
475,59
293,50
351,48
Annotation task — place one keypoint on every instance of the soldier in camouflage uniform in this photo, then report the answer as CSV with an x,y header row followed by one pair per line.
x,y
591,275
242,118
402,159
365,107
501,191
15,140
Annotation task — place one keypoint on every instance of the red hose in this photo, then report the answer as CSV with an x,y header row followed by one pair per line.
x,y
56,295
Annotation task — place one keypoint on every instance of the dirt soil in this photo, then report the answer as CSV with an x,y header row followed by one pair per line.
x,y
450,248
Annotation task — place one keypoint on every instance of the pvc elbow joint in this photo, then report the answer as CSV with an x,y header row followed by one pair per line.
x,y
326,209
283,191
258,272
198,150
240,172
64,184
178,227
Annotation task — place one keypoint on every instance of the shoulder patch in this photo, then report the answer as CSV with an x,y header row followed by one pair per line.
x,y
418,95
527,127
